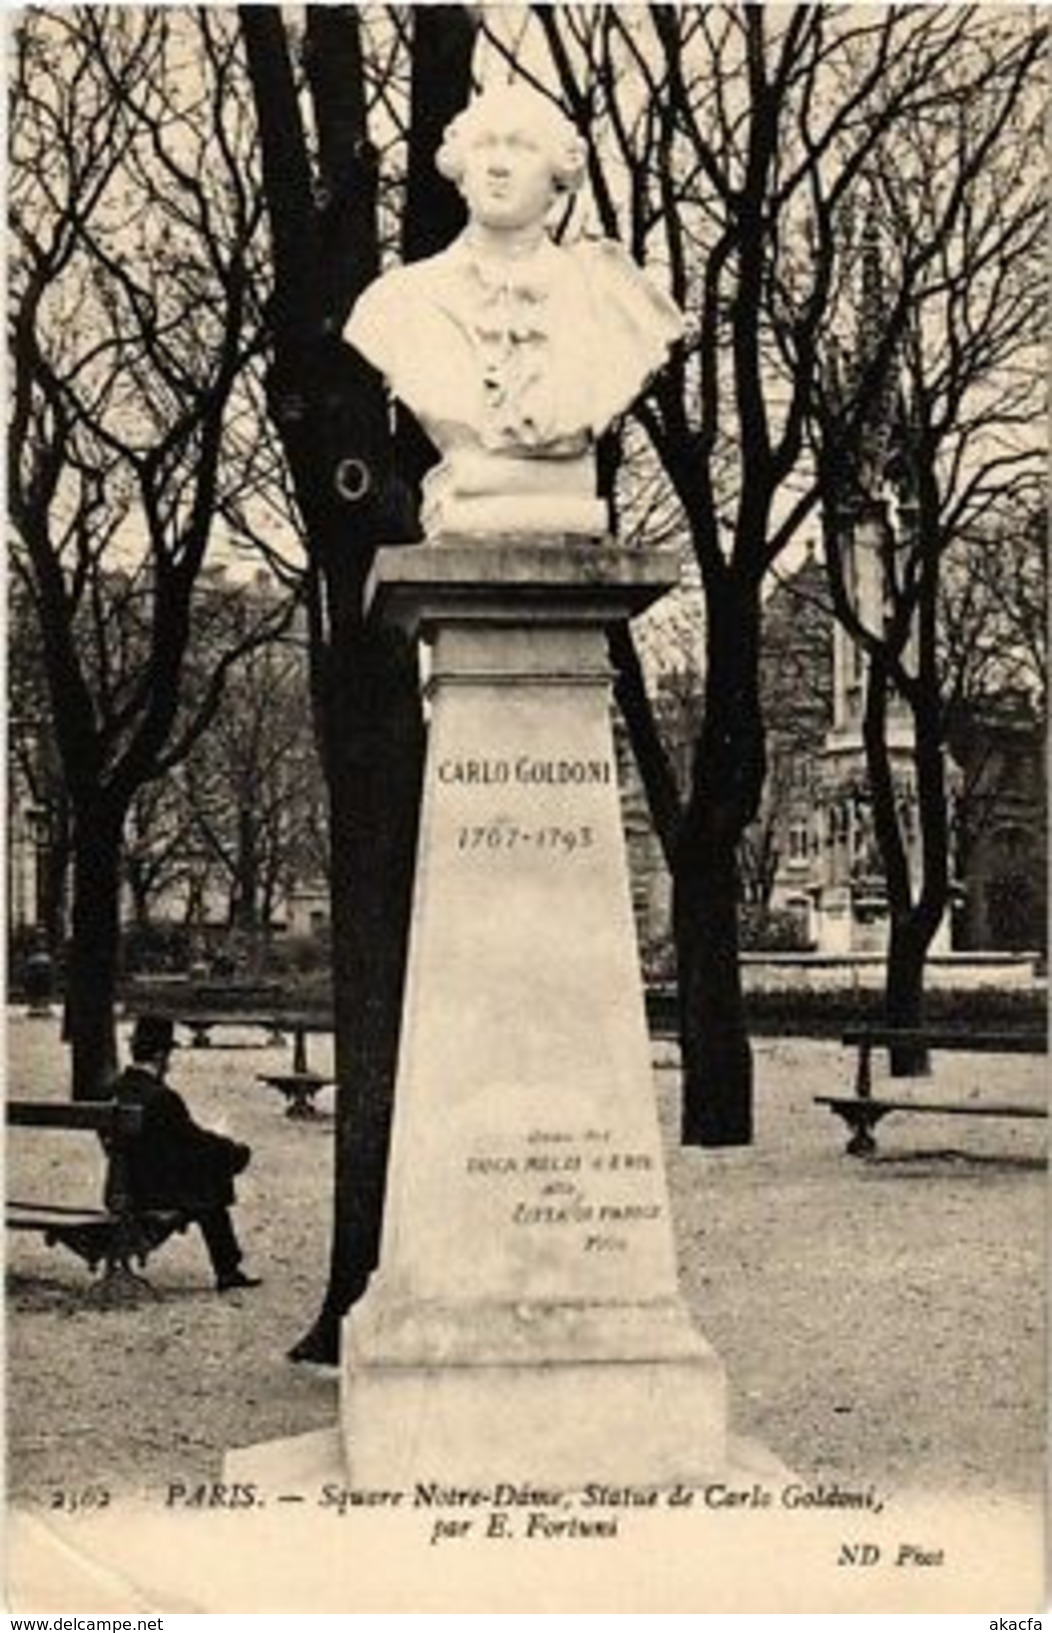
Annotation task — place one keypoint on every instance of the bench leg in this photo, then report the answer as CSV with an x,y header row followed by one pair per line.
x,y
861,1119
118,1285
114,1243
861,1143
301,1104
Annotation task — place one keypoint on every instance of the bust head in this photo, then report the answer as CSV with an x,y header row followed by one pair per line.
x,y
514,353
511,152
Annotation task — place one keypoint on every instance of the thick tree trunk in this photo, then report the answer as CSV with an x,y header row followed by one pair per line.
x,y
714,1046
332,417
91,978
651,754
915,913
726,785
375,761
904,991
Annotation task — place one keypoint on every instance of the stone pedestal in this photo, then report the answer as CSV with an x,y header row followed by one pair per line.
x,y
525,1323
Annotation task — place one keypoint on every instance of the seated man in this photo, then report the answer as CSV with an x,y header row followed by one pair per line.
x,y
172,1162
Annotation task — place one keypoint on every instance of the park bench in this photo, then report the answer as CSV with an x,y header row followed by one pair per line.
x,y
863,1110
114,1234
202,1023
299,1089
300,1085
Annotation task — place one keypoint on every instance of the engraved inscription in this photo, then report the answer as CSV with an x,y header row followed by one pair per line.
x,y
502,835
562,1181
523,830
525,771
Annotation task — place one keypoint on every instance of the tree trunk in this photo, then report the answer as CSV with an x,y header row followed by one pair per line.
x,y
374,739
140,893
245,894
91,978
54,881
194,915
913,922
714,1046
329,409
904,991
726,784
374,768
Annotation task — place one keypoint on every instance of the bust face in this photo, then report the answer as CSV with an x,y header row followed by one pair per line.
x,y
507,178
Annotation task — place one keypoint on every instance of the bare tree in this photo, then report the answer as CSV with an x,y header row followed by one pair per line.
x,y
243,816
34,767
993,620
328,215
931,437
135,255
994,659
157,840
255,787
796,692
729,145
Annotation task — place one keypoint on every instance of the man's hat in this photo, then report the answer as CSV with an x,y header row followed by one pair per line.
x,y
152,1035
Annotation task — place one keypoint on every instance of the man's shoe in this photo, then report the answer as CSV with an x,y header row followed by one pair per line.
x,y
240,1157
237,1278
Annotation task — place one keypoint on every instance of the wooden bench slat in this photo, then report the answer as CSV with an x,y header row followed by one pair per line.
x,y
1008,1043
56,1222
40,1219
58,1209
272,1020
103,1116
186,1016
949,1108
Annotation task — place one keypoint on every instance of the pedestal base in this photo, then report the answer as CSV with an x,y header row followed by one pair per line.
x,y
525,1325
304,1464
553,1395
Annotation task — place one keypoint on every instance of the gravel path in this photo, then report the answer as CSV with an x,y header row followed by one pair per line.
x,y
879,1321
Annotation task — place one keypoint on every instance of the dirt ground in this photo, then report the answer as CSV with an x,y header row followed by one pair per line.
x,y
882,1321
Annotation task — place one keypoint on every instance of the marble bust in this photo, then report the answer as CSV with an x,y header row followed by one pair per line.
x,y
512,352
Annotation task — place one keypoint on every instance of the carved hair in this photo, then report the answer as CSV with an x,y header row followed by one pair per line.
x,y
529,110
